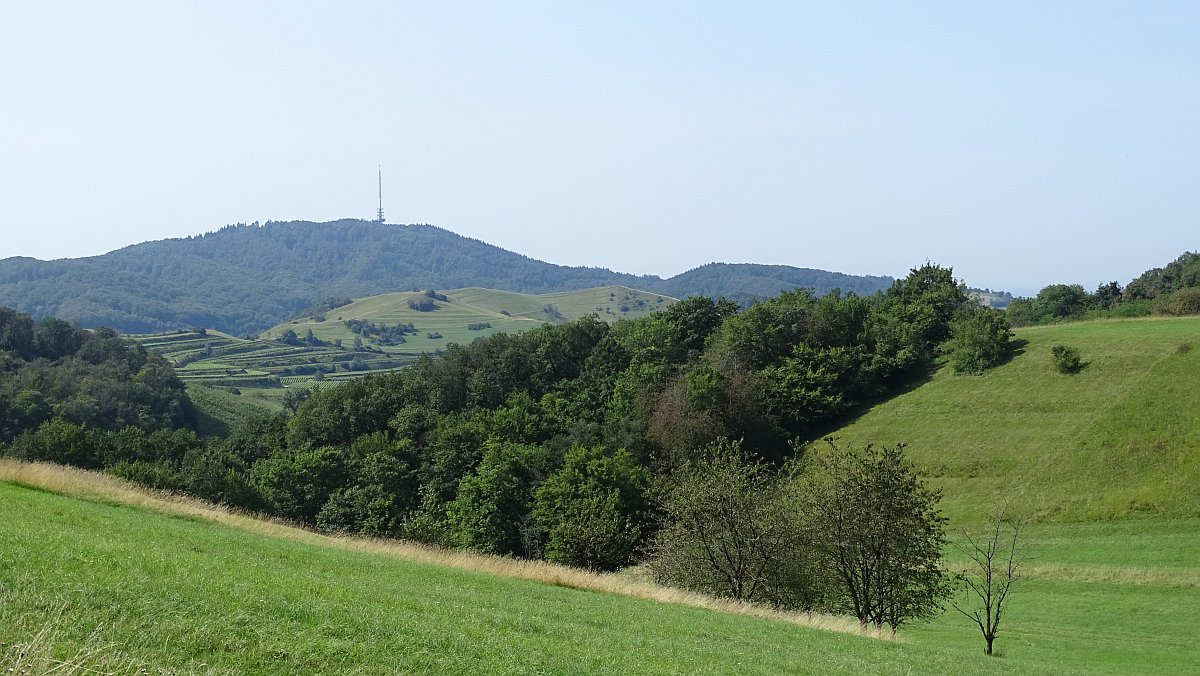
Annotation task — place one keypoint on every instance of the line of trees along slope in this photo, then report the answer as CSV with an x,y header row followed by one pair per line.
x,y
245,278
1173,290
561,442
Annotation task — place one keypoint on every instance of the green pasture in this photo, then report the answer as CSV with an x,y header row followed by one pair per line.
x,y
506,311
138,589
1119,439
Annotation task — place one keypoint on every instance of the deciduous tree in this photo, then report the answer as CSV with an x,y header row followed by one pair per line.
x,y
997,554
879,528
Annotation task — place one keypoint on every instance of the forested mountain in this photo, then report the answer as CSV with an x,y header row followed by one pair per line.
x,y
747,281
245,278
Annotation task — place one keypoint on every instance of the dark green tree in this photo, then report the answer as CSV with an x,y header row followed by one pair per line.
x,y
296,485
979,340
1107,296
593,511
879,529
491,512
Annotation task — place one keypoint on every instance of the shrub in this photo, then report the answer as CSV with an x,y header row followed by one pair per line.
x,y
593,510
1066,359
1182,303
978,341
730,529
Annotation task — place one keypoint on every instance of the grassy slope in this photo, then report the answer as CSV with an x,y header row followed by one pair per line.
x,y
144,589
189,593
1120,439
475,305
1118,597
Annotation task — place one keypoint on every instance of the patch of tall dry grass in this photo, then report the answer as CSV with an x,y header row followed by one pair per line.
x,y
38,652
1131,575
105,488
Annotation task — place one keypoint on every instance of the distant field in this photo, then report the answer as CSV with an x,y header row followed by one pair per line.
x,y
451,319
225,375
1120,439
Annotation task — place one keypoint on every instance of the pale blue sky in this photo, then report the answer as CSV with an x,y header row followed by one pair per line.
x,y
1021,143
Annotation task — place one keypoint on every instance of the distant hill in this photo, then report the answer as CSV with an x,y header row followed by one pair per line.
x,y
244,278
747,281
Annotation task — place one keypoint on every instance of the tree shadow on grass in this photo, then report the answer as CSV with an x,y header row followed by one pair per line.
x,y
902,385
910,381
1016,348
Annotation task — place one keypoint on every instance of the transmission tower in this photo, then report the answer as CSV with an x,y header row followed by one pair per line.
x,y
379,215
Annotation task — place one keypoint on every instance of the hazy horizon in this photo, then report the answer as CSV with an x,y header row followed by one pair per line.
x,y
1021,144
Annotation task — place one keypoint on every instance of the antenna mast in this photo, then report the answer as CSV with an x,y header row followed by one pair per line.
x,y
379,217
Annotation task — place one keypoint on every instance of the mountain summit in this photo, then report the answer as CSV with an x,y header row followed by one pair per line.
x,y
245,278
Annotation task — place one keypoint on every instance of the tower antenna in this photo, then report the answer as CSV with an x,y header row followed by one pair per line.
x,y
379,217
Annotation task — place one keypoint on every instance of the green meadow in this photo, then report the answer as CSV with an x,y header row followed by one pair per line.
x,y
450,321
98,584
1120,439
122,588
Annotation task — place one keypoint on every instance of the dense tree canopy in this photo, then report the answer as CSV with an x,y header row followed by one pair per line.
x,y
53,370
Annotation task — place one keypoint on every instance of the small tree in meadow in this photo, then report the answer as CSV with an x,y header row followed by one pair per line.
x,y
1066,359
880,531
997,554
730,529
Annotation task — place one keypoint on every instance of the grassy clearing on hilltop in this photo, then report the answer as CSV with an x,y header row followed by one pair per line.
x,y
1120,439
451,319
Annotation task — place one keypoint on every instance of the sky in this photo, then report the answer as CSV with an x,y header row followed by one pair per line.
x,y
1021,143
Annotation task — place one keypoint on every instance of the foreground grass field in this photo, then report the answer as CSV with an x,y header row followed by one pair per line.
x,y
1120,439
174,587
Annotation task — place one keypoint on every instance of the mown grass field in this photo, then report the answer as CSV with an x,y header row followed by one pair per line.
x,y
112,578
114,587
1118,440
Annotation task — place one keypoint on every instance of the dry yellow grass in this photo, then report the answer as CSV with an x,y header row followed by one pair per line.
x,y
105,488
1158,577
